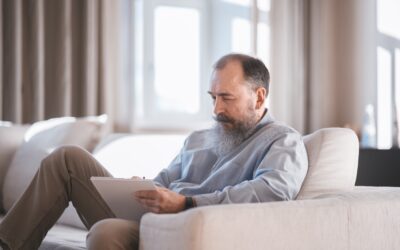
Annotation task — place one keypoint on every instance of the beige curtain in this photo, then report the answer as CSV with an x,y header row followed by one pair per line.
x,y
342,62
57,58
289,62
323,62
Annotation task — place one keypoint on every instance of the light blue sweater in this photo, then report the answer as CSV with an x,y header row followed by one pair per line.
x,y
269,166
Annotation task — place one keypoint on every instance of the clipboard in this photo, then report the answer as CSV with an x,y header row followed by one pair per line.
x,y
118,194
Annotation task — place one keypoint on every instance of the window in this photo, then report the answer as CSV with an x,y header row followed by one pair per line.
x,y
185,73
388,73
176,43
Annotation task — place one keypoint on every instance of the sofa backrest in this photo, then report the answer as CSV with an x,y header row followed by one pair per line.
x,y
333,161
332,155
127,155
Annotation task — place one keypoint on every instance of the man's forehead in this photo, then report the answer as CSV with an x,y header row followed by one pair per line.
x,y
228,77
232,68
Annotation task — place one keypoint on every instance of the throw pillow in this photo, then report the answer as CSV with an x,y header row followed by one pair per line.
x,y
332,160
40,140
11,137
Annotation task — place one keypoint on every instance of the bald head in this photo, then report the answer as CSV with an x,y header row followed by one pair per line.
x,y
254,70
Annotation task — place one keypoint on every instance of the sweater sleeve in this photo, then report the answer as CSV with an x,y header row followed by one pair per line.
x,y
169,174
172,172
279,176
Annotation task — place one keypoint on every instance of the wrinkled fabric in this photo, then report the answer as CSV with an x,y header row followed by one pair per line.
x,y
268,166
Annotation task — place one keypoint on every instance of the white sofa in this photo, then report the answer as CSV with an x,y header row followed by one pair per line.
x,y
329,213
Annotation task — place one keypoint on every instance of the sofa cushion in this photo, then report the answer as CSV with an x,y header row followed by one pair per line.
x,y
61,237
333,160
11,137
40,140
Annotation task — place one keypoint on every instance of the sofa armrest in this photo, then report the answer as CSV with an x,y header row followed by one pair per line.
x,y
365,218
277,225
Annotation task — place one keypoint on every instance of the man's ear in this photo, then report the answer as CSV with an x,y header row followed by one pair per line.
x,y
261,94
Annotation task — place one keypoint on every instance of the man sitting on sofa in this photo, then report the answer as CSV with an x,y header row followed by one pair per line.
x,y
245,157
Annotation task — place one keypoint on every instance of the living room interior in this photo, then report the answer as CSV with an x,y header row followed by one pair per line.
x,y
127,80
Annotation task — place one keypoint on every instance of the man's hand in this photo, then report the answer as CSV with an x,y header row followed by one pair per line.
x,y
161,200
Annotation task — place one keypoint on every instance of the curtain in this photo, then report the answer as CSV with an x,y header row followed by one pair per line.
x,y
289,62
342,62
323,69
57,58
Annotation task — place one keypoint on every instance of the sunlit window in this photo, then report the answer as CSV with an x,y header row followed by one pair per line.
x,y
397,56
176,44
384,93
264,5
397,91
245,3
263,42
240,35
176,53
388,17
388,73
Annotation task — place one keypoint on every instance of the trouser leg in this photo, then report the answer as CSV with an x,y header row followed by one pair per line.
x,y
113,234
62,177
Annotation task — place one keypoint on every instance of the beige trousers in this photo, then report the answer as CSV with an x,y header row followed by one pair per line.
x,y
64,176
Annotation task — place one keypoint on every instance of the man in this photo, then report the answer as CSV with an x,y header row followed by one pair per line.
x,y
246,157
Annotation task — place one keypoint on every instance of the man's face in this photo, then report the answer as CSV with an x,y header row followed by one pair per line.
x,y
234,100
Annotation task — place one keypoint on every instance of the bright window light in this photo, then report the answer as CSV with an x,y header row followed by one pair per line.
x,y
241,35
384,92
397,75
263,43
388,17
397,89
177,59
264,5
245,3
176,43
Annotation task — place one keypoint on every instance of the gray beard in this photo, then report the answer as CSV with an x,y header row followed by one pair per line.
x,y
225,140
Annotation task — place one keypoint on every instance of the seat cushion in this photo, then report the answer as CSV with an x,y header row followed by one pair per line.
x,y
333,160
62,237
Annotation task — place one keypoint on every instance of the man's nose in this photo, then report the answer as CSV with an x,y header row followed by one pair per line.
x,y
218,106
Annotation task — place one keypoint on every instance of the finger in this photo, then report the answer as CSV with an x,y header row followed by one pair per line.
x,y
146,194
158,192
142,199
150,204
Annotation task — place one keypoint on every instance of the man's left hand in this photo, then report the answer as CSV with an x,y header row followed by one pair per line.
x,y
161,200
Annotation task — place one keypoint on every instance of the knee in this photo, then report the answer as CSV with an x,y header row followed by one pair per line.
x,y
63,154
113,234
69,151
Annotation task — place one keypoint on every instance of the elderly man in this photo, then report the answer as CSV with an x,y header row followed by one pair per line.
x,y
245,157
